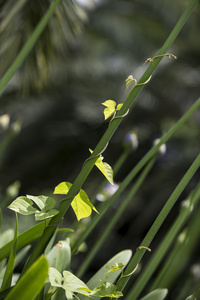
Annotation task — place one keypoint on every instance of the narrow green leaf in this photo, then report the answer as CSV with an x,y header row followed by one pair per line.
x,y
23,206
0,218
158,294
31,282
24,238
109,111
11,261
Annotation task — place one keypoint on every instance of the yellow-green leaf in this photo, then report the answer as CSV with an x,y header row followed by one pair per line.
x,y
105,168
110,108
82,205
119,106
62,188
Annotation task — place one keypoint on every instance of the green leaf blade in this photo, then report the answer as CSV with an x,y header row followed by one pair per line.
x,y
31,282
11,261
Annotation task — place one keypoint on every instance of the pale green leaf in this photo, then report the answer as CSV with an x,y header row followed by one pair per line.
x,y
74,284
119,106
43,202
45,215
55,277
23,205
69,282
110,108
158,294
62,188
129,80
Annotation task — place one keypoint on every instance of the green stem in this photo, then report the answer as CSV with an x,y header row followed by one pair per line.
x,y
158,222
115,218
163,248
65,204
133,173
28,46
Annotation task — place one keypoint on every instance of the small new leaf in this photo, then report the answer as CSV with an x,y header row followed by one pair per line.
x,y
129,81
81,204
110,108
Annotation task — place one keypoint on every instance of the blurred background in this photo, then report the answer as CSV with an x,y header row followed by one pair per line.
x,y
51,111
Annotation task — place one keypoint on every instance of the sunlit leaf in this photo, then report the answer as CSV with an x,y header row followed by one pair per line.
x,y
81,204
105,168
109,111
62,188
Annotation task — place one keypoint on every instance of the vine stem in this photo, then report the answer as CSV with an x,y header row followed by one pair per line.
x,y
64,205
